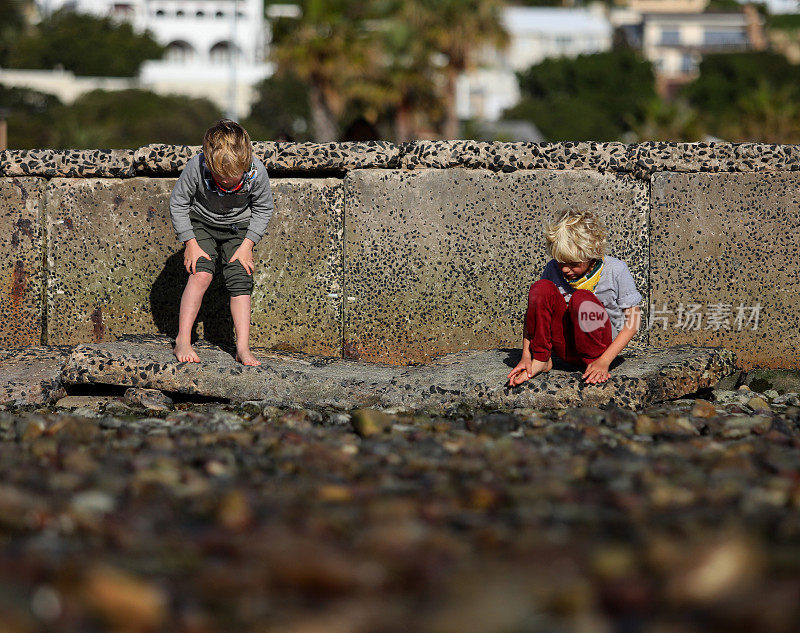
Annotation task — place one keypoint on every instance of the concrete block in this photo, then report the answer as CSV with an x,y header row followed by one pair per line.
x,y
292,157
723,252
116,267
297,299
32,375
508,157
21,266
440,261
475,378
73,163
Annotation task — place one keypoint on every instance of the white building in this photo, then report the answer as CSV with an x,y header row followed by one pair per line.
x,y
675,42
535,34
215,48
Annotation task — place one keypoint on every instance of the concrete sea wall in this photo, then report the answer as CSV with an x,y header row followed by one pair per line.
x,y
399,253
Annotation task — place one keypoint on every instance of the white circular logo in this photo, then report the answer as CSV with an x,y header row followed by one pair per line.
x,y
591,316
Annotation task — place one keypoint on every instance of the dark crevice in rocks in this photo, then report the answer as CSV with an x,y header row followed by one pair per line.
x,y
95,389
104,389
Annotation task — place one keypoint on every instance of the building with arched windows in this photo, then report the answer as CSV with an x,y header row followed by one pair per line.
x,y
215,48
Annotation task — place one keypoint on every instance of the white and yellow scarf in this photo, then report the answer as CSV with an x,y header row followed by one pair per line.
x,y
589,279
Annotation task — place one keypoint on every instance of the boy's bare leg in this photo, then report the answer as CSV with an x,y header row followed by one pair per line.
x,y
190,305
240,311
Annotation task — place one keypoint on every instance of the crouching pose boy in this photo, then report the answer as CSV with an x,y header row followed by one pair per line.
x,y
585,306
220,205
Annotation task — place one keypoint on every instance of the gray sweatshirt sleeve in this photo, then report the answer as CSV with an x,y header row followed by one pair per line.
x,y
261,204
180,200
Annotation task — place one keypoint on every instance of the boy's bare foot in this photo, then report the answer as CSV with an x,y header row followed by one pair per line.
x,y
185,353
519,374
245,357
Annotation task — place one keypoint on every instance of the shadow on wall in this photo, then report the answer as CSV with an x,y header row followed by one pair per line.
x,y
215,313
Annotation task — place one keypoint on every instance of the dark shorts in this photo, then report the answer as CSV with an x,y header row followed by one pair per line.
x,y
223,241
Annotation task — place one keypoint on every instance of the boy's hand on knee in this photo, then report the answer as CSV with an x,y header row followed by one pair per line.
x,y
191,254
245,255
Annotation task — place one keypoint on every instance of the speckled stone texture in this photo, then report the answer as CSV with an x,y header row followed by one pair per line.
x,y
111,255
477,378
641,159
73,163
163,160
311,157
32,375
21,267
439,261
297,298
131,275
508,157
721,241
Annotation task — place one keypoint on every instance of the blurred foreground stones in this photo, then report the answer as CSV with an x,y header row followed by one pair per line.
x,y
329,495
130,512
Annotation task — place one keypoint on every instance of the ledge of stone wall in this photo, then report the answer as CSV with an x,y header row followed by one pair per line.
x,y
640,160
69,163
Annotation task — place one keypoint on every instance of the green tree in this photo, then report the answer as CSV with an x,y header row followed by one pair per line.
x,y
31,117
84,44
591,97
131,118
330,48
456,30
12,23
724,78
281,109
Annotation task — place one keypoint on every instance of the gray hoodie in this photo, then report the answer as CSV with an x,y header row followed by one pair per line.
x,y
195,191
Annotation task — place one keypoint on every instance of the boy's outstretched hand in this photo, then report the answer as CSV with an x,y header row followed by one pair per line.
x,y
245,255
191,254
596,371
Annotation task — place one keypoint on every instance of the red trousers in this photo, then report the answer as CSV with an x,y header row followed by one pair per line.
x,y
578,331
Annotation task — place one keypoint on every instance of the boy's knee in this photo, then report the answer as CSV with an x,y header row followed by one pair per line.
x,y
581,295
541,288
237,281
202,277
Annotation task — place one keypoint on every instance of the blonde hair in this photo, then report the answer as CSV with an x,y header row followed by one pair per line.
x,y
227,149
575,236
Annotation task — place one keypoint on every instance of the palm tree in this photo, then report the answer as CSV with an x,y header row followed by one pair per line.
x,y
457,30
328,48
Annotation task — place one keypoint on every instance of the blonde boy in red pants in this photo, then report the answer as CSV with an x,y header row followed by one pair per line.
x,y
585,307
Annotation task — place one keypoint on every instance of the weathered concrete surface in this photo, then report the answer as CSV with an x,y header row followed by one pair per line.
x,y
297,298
68,163
720,242
476,378
440,261
310,157
108,246
21,268
32,375
130,275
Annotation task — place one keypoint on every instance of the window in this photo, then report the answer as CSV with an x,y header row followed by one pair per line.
x,y
221,52
179,14
199,14
724,39
179,52
670,37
